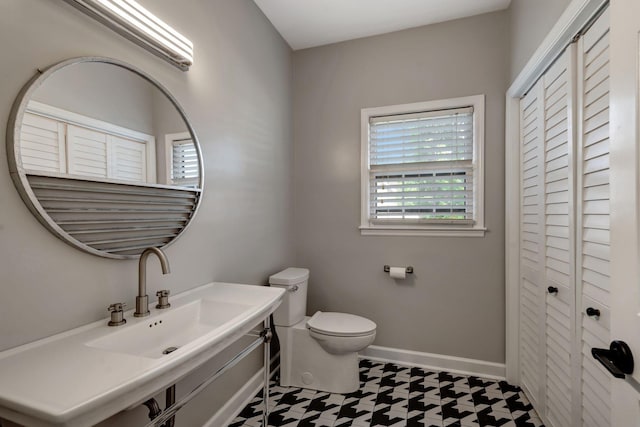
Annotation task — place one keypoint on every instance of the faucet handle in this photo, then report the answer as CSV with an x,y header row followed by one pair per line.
x,y
118,306
163,299
117,316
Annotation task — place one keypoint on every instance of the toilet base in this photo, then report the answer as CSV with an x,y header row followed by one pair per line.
x,y
304,364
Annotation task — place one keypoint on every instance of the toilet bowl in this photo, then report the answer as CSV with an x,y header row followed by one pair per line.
x,y
340,333
318,352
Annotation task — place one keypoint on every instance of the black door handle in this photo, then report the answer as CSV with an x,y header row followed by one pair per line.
x,y
552,290
617,359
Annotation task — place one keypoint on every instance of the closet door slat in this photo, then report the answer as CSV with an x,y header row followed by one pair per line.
x,y
559,241
593,266
531,246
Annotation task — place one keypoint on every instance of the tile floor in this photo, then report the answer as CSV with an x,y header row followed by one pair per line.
x,y
393,395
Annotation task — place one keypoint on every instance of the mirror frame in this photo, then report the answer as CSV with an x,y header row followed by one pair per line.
x,y
19,175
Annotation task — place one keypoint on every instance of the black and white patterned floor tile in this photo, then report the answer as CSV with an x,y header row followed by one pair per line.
x,y
398,396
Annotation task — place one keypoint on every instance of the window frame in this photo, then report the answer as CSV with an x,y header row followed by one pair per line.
x,y
170,140
444,228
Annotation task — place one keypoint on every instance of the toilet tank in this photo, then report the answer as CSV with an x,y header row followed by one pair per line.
x,y
294,304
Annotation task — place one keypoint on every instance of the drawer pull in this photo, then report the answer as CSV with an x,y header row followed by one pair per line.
x,y
552,290
593,312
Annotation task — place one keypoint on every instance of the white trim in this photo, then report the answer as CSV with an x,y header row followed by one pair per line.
x,y
475,101
575,16
572,20
512,240
86,121
423,231
439,362
230,410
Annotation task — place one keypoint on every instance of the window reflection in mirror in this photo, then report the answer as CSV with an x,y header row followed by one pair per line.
x,y
98,121
104,157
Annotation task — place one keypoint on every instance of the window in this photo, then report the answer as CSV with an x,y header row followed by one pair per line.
x,y
422,168
182,160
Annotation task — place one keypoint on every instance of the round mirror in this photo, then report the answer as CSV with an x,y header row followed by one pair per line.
x,y
104,157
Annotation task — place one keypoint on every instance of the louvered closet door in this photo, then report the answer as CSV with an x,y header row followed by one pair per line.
x,y
531,247
564,289
593,218
559,241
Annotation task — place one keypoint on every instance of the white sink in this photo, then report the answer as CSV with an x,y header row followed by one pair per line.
x,y
85,375
169,330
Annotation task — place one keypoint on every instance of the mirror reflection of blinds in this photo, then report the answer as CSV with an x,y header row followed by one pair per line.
x,y
421,167
55,146
184,163
98,154
43,144
129,159
88,152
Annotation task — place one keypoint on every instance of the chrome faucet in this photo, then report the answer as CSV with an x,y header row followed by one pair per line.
x,y
142,300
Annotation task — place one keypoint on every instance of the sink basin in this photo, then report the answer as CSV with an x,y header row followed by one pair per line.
x,y
83,376
169,331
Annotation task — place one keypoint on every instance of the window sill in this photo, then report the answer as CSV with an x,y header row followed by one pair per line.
x,y
444,231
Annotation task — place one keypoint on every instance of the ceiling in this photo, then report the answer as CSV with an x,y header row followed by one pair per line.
x,y
309,23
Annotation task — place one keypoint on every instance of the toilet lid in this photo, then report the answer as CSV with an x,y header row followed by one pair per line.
x,y
340,324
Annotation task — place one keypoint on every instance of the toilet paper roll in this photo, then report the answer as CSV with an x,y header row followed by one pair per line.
x,y
398,272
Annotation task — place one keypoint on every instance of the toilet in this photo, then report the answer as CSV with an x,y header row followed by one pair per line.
x,y
319,352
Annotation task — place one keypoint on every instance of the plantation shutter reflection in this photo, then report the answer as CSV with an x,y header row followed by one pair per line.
x,y
184,164
421,167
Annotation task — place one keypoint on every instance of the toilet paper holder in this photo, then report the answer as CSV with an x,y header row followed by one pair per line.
x,y
409,269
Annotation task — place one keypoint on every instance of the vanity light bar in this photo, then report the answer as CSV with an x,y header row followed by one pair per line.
x,y
136,23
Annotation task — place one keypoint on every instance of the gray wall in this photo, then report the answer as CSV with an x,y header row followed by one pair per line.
x,y
238,95
118,96
454,304
166,120
101,91
530,22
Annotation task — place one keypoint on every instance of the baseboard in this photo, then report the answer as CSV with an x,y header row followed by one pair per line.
x,y
240,399
437,362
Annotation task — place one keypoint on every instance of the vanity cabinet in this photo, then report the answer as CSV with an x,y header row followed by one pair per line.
x,y
564,235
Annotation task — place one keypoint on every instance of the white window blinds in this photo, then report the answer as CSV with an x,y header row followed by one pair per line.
x,y
184,163
421,167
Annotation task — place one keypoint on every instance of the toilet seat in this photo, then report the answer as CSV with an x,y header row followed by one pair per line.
x,y
340,324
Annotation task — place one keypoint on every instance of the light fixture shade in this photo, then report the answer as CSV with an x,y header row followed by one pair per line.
x,y
136,23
